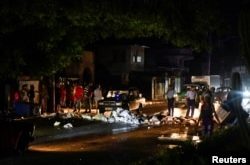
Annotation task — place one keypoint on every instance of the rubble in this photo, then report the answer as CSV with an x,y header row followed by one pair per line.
x,y
100,117
125,116
68,126
68,115
57,123
86,117
154,121
45,115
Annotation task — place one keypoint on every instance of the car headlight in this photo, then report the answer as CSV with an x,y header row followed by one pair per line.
x,y
246,94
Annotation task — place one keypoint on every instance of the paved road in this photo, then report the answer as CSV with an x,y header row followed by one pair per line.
x,y
95,142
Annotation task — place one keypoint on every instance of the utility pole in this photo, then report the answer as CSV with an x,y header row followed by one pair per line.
x,y
209,52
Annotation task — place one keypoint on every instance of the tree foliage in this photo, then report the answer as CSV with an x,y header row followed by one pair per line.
x,y
42,36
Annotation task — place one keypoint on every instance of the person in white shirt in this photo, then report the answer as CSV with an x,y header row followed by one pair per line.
x,y
97,95
170,100
191,96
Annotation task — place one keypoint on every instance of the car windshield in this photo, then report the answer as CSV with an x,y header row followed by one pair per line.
x,y
223,89
115,93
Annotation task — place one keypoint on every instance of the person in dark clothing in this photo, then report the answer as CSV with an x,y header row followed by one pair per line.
x,y
31,95
88,97
44,98
206,116
238,116
170,100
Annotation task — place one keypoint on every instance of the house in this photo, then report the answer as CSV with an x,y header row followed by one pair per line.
x,y
149,69
82,69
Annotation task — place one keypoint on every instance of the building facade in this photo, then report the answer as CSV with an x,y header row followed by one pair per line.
x,y
150,70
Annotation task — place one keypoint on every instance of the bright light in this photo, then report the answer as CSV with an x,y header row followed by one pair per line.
x,y
246,94
178,136
195,138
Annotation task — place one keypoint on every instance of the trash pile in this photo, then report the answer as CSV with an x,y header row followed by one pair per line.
x,y
161,118
125,116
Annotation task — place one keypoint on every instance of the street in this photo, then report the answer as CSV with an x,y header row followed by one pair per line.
x,y
95,142
120,82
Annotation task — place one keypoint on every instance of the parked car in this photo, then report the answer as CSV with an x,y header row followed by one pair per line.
x,y
16,135
221,93
130,99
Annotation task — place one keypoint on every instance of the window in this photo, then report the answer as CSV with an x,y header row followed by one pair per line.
x,y
137,59
137,55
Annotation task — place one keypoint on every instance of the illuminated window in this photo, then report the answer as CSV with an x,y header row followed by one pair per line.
x,y
134,58
137,59
136,55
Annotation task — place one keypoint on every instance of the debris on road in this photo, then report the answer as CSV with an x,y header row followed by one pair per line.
x,y
68,126
88,117
100,117
128,117
57,123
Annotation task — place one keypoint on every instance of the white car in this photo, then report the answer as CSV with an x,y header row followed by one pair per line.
x,y
127,99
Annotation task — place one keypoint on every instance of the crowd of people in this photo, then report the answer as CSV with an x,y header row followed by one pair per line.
x,y
78,96
26,97
68,94
207,110
208,115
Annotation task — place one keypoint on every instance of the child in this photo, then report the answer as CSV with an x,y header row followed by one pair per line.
x,y
206,116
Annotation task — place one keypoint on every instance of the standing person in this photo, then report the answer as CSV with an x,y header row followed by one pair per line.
x,y
44,99
15,97
191,96
57,96
70,86
206,116
212,91
78,95
97,95
87,98
31,95
63,94
24,93
170,100
238,115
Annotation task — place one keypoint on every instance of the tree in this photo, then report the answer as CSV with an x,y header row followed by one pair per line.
x,y
39,37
